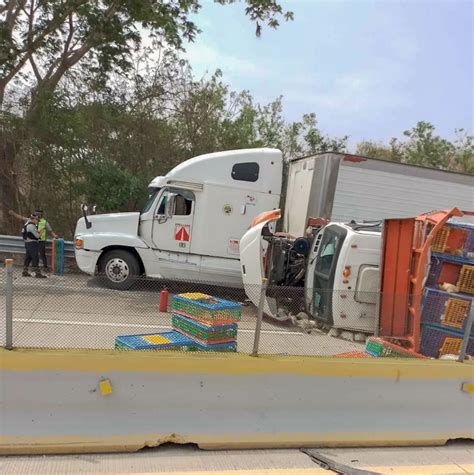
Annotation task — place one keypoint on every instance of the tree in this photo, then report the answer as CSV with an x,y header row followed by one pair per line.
x,y
391,152
463,157
425,148
95,137
54,37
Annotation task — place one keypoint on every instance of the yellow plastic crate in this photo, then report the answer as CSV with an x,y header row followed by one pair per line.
x,y
466,280
195,296
440,240
455,313
450,346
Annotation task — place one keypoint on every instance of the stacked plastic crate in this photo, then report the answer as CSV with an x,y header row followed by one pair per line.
x,y
449,292
200,323
210,321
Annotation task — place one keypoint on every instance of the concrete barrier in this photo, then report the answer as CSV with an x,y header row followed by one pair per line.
x,y
100,401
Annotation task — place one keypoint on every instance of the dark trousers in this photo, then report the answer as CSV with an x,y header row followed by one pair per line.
x,y
42,253
31,257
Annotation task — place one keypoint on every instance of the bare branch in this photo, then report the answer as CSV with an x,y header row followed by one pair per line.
x,y
70,34
68,60
31,16
52,26
35,68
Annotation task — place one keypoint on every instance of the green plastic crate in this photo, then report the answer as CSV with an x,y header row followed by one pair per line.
x,y
206,333
205,308
384,349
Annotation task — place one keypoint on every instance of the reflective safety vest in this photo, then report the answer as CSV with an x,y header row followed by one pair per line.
x,y
42,229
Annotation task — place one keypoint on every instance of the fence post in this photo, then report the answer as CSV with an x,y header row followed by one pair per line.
x,y
8,304
57,256
258,326
467,334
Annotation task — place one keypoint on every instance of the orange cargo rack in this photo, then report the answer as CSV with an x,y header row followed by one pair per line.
x,y
406,248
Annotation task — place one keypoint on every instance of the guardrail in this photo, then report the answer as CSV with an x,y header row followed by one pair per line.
x,y
15,245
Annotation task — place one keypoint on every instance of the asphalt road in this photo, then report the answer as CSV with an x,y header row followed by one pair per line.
x,y
76,311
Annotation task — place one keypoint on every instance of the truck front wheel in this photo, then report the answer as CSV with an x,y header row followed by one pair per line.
x,y
119,269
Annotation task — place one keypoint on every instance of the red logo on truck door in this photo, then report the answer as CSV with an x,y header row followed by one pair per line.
x,y
182,232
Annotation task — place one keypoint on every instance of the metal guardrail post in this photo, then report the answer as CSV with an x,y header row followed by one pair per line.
x,y
8,304
258,326
467,334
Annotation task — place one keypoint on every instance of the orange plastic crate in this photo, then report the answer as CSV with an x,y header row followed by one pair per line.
x,y
450,240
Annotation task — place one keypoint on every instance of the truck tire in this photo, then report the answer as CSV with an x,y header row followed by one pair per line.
x,y
119,269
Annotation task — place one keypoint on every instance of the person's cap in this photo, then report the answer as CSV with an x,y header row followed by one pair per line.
x,y
38,211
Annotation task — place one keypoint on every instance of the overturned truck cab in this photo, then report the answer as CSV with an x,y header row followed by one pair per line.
x,y
332,273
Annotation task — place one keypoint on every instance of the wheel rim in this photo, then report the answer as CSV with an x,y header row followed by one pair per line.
x,y
117,270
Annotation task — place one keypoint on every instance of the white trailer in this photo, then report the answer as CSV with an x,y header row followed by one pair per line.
x,y
342,188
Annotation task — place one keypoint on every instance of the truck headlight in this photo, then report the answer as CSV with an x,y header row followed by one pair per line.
x,y
79,243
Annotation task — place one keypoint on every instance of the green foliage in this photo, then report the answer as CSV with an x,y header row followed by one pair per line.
x,y
103,145
44,43
113,188
392,152
424,148
53,36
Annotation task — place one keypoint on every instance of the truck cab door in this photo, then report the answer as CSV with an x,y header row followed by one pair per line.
x,y
173,221
321,269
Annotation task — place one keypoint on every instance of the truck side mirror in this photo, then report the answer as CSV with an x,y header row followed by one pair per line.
x,y
170,204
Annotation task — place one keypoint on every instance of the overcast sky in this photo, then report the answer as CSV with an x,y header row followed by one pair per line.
x,y
368,69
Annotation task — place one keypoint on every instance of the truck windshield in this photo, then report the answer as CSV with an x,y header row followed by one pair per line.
x,y
325,270
151,198
328,249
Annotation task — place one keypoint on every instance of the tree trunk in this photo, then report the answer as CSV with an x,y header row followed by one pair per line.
x,y
8,184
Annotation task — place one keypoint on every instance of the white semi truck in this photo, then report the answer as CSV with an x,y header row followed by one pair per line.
x,y
331,270
194,219
191,225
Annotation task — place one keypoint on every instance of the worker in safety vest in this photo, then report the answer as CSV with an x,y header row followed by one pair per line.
x,y
31,238
43,228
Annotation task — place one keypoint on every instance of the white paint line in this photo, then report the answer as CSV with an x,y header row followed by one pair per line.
x,y
134,325
93,324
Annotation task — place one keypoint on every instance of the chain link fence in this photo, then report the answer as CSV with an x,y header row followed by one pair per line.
x,y
77,311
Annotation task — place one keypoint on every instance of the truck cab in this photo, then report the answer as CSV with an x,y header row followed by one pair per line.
x,y
191,224
332,275
342,276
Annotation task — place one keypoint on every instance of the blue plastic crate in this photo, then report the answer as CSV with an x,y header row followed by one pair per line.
x,y
452,258
434,341
447,309
155,341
